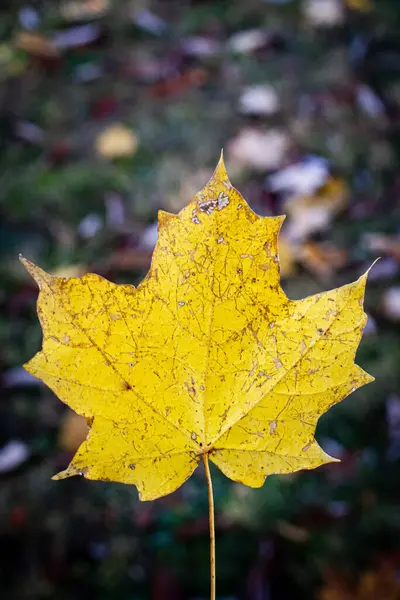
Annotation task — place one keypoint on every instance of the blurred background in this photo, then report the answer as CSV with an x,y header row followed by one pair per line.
x,y
111,110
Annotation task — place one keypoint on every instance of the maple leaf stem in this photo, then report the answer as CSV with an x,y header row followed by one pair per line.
x,y
212,524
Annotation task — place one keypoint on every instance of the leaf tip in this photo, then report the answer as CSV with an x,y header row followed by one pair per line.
x,y
220,175
41,277
368,378
326,458
280,219
364,276
70,471
61,475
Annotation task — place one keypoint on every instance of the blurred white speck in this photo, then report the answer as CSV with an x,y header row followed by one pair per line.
x,y
115,210
90,225
391,303
323,13
29,132
77,36
261,150
369,102
12,455
244,42
29,17
149,237
301,178
200,46
376,242
259,100
148,21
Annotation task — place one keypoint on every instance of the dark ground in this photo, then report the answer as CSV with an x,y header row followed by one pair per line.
x,y
111,110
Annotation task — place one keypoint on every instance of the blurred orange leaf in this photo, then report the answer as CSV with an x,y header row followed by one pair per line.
x,y
383,583
36,44
323,259
361,5
73,432
314,212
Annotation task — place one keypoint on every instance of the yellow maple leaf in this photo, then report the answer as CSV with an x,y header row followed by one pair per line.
x,y
206,358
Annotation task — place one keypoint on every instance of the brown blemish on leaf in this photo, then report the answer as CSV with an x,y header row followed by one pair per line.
x,y
272,427
218,204
195,219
